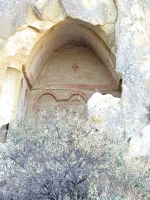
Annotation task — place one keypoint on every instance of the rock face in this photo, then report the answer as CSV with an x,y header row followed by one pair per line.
x,y
140,144
106,111
116,33
95,12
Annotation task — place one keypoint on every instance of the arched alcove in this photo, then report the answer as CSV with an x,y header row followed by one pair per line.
x,y
71,58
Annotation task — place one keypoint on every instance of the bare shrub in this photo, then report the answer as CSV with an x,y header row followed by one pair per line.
x,y
69,159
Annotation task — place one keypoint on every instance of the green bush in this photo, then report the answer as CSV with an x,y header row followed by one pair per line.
x,y
70,159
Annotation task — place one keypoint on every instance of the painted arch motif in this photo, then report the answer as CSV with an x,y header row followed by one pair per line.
x,y
49,99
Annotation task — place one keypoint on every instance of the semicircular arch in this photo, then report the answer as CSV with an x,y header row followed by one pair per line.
x,y
74,32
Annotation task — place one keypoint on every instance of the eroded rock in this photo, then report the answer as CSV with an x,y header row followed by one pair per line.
x,y
117,32
106,112
140,144
93,11
48,10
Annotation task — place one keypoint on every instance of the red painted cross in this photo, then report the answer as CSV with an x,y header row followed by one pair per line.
x,y
75,67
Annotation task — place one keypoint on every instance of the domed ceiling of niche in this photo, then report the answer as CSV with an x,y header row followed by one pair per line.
x,y
74,67
71,59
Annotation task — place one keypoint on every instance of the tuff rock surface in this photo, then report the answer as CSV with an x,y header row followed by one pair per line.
x,y
121,26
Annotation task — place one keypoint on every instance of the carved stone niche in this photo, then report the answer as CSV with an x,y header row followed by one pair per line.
x,y
71,66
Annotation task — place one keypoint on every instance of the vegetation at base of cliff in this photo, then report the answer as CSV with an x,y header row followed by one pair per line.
x,y
70,159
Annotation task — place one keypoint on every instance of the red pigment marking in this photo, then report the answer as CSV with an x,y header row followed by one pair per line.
x,y
34,107
31,78
82,94
80,86
75,67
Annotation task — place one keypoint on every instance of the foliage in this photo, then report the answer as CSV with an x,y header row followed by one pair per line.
x,y
69,159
